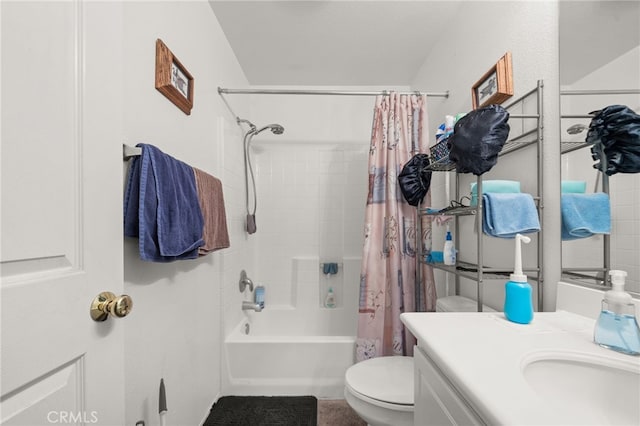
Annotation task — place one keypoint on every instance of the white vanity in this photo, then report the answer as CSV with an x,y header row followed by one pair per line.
x,y
479,368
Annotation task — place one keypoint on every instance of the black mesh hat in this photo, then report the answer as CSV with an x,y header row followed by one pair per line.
x,y
478,138
415,179
614,133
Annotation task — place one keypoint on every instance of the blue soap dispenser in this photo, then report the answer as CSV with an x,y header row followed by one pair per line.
x,y
518,306
617,327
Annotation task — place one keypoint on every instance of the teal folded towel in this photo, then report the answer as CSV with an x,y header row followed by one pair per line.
x,y
506,215
573,186
500,186
584,215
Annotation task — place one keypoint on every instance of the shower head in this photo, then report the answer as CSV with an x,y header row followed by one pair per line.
x,y
576,128
276,129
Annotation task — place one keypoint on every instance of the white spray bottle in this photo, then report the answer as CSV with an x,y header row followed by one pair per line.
x,y
449,251
518,306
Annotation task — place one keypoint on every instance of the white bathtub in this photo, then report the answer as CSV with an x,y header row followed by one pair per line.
x,y
284,354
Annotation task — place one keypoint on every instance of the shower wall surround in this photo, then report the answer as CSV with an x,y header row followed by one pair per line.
x,y
311,205
311,187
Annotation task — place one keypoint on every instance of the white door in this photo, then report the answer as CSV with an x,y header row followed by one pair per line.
x,y
61,210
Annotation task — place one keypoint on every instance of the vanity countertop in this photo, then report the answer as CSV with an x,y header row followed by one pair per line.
x,y
483,355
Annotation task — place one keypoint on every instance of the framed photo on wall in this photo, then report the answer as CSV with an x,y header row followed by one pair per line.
x,y
495,86
172,78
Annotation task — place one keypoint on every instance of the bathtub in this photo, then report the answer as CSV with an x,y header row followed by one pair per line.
x,y
284,354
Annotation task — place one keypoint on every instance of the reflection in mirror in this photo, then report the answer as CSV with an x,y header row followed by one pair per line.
x,y
599,66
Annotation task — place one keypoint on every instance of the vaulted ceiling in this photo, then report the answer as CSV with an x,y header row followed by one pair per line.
x,y
384,43
332,42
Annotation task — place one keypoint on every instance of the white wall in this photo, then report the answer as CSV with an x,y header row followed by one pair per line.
x,y
174,331
529,30
177,328
621,73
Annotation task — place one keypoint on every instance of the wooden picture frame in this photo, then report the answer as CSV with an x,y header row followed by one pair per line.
x,y
495,86
172,78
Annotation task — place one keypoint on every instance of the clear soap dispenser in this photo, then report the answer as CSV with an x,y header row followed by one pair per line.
x,y
617,326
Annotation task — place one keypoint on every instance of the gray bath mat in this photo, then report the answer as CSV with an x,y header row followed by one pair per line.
x,y
264,411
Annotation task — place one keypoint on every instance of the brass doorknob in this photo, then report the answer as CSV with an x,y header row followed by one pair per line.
x,y
107,303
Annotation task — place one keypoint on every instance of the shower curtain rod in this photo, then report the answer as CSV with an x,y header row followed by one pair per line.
x,y
601,92
325,92
223,91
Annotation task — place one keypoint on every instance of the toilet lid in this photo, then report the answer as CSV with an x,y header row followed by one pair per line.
x,y
388,379
459,304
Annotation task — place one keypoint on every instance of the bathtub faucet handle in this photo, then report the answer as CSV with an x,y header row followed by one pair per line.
x,y
245,281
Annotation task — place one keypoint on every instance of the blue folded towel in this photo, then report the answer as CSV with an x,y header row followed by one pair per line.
x,y
584,215
506,215
161,207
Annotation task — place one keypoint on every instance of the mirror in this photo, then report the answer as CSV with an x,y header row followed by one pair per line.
x,y
600,66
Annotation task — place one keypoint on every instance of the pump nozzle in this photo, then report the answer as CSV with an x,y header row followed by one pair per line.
x,y
517,275
617,279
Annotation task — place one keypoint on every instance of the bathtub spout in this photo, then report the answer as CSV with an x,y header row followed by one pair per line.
x,y
247,306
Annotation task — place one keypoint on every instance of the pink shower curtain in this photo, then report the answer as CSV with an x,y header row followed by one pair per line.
x,y
388,273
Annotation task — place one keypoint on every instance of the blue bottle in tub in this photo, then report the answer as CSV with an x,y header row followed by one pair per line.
x,y
259,296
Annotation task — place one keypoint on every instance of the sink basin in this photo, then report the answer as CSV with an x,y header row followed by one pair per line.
x,y
604,390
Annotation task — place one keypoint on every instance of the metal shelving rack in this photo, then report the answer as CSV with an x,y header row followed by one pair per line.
x,y
591,273
477,271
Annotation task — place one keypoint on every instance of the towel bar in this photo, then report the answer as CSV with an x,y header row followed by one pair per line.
x,y
130,151
337,263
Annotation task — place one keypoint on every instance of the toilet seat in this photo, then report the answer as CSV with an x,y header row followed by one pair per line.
x,y
377,402
385,381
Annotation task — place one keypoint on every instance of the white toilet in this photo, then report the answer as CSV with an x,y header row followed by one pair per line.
x,y
380,390
459,304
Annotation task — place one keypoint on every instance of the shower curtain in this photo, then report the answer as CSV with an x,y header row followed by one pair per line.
x,y
388,272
